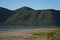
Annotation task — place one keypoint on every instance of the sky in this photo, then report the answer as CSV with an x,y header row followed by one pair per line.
x,y
35,4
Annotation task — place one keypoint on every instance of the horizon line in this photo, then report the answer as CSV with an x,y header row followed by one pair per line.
x,y
31,8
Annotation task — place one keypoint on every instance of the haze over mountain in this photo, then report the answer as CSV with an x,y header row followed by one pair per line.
x,y
26,16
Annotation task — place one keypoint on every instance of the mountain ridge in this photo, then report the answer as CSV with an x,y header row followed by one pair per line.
x,y
26,16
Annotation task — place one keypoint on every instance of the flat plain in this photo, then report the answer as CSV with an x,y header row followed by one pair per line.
x,y
31,34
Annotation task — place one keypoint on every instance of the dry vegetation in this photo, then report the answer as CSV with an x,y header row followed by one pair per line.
x,y
31,34
54,35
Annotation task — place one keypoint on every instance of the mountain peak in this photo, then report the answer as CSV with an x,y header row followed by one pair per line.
x,y
26,8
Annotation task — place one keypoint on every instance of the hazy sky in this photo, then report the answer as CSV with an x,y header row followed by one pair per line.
x,y
35,4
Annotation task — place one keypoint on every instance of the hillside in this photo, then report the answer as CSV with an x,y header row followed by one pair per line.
x,y
26,16
5,14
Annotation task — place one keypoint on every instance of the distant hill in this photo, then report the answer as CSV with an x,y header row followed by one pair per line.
x,y
26,16
5,14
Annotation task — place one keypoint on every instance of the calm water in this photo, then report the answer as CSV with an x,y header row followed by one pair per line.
x,y
24,27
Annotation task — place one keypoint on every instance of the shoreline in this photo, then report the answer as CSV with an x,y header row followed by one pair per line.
x,y
14,29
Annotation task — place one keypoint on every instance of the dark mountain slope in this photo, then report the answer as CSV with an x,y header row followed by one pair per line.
x,y
26,16
57,17
19,16
4,14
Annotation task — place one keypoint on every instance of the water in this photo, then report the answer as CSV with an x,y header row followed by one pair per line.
x,y
24,27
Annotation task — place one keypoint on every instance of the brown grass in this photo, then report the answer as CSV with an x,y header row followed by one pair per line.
x,y
25,34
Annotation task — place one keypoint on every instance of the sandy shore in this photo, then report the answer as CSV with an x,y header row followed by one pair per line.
x,y
22,34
